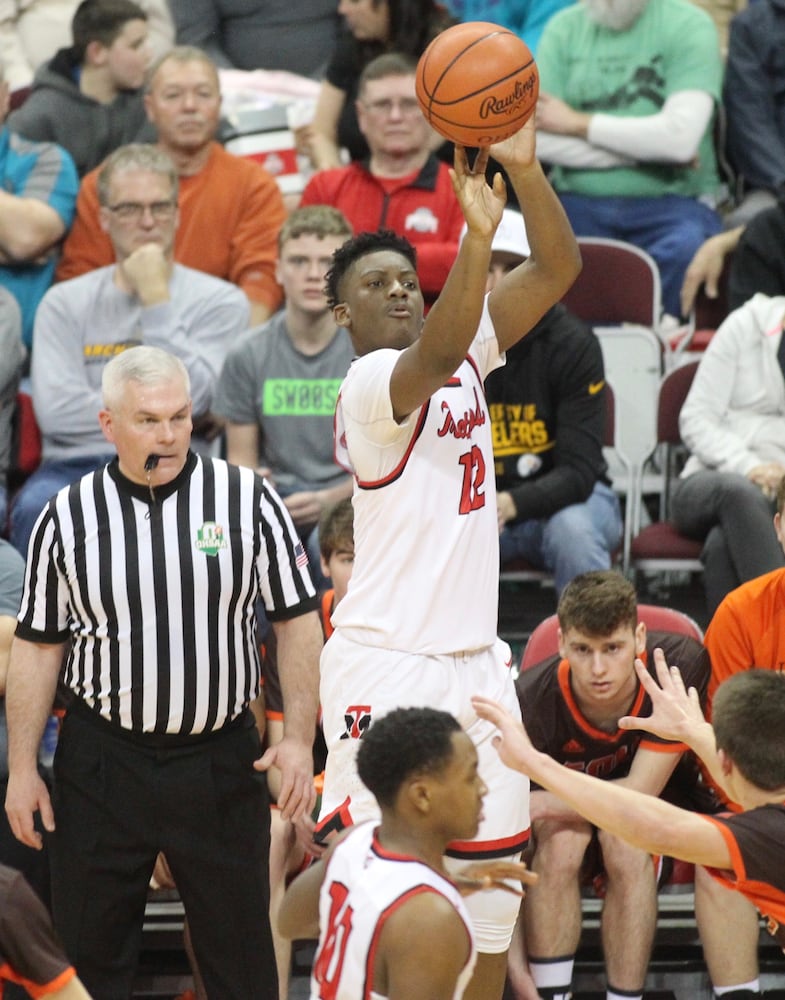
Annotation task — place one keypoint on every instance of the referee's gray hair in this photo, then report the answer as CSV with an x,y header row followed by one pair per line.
x,y
136,156
146,365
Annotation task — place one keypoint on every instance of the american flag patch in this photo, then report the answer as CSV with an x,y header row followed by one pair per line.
x,y
300,557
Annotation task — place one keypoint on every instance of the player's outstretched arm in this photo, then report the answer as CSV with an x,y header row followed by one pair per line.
x,y
452,323
676,713
643,820
530,289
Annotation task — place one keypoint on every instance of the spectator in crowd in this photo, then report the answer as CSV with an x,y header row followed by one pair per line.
x,y
38,186
12,359
183,547
625,117
746,631
374,27
744,750
526,18
384,890
402,185
571,705
268,34
230,208
547,406
89,97
280,382
30,951
733,423
143,298
754,99
31,32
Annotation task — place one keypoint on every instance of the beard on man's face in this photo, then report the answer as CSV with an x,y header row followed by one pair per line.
x,y
616,15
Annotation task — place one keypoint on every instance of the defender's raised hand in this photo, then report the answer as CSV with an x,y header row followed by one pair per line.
x,y
676,711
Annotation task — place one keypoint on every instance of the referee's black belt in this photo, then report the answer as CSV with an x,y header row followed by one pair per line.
x,y
159,741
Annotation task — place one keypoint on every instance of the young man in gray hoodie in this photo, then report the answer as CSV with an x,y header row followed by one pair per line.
x,y
89,97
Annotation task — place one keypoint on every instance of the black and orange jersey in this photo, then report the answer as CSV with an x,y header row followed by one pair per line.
x,y
755,840
30,952
557,726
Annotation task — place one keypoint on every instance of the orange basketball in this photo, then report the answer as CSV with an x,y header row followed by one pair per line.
x,y
477,83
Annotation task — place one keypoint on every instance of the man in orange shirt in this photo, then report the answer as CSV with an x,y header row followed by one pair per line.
x,y
230,208
747,630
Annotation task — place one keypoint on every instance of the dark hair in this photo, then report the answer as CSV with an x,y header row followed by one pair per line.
x,y
413,25
336,528
314,220
101,21
404,742
748,715
597,603
385,65
360,246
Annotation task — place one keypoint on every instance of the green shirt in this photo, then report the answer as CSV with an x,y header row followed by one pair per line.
x,y
671,47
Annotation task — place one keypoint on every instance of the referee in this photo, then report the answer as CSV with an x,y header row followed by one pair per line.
x,y
141,584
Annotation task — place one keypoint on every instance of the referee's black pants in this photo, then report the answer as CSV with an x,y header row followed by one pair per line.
x,y
118,803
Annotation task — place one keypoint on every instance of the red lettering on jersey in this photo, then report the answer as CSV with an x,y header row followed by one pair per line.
x,y
328,963
463,427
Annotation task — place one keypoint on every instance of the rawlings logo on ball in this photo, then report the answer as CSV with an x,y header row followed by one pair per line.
x,y
493,105
477,83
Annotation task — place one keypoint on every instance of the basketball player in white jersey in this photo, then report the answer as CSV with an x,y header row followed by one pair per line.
x,y
391,924
418,623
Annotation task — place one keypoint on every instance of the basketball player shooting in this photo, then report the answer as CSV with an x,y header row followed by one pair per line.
x,y
417,626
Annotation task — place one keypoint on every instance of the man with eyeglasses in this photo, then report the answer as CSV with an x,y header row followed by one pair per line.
x,y
145,298
402,186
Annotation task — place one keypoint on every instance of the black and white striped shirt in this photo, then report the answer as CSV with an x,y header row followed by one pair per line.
x,y
156,599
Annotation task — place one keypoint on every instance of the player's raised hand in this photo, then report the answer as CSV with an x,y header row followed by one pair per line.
x,y
676,711
482,204
519,150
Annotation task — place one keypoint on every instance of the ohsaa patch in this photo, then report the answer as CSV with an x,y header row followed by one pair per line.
x,y
210,538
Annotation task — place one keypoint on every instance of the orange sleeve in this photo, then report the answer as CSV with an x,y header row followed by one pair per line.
x,y
726,641
254,246
87,246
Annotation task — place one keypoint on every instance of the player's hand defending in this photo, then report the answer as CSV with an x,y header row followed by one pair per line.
x,y
676,711
484,875
512,743
482,204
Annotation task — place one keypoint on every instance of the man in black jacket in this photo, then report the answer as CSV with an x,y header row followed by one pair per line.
x,y
555,503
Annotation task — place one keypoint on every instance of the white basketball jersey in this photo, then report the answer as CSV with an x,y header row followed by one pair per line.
x,y
363,886
426,568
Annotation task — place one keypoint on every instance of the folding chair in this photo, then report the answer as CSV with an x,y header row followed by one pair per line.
x,y
659,547
619,284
